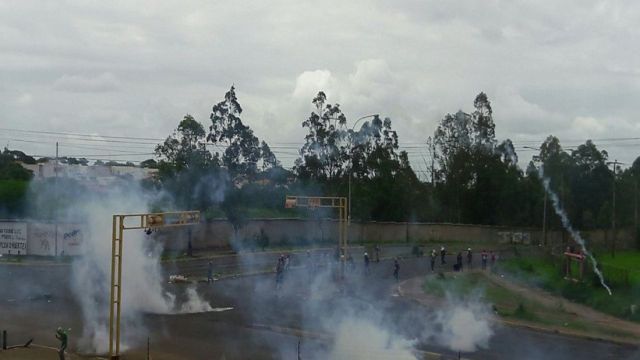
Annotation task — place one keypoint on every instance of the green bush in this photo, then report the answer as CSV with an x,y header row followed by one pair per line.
x,y
13,195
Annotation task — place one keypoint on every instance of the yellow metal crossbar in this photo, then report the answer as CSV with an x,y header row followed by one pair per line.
x,y
130,222
326,202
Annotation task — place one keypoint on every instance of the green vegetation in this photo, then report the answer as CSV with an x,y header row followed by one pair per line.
x,y
626,259
12,193
547,274
510,305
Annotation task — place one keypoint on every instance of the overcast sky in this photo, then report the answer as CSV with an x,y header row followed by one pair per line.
x,y
568,68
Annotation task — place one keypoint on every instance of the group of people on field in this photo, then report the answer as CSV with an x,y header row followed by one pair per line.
x,y
485,257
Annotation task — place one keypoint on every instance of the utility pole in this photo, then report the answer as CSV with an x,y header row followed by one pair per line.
x,y
544,219
432,154
613,212
562,200
55,170
635,210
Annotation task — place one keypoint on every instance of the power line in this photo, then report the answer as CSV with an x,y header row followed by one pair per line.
x,y
108,155
80,135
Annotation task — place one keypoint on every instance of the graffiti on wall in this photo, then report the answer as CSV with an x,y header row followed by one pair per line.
x,y
514,237
13,238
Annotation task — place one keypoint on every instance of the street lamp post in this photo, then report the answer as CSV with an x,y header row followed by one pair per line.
x,y
613,208
351,162
544,208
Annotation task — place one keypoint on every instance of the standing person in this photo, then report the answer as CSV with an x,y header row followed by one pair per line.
x,y
434,255
469,257
210,272
493,258
443,252
484,259
62,336
377,249
287,261
396,269
459,261
366,263
279,272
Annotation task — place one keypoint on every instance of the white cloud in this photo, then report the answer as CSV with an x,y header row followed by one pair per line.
x,y
24,99
104,82
309,83
589,126
413,61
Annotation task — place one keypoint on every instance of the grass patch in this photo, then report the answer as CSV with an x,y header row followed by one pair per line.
x,y
470,285
547,274
629,260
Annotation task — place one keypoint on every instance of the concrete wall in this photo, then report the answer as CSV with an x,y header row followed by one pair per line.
x,y
41,238
218,233
596,240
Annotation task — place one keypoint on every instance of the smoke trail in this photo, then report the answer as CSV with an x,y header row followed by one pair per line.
x,y
567,225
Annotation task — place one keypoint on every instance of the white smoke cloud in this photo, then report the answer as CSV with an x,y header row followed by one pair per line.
x,y
465,327
142,281
359,339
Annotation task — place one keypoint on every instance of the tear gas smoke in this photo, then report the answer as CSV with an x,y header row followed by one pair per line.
x,y
359,339
557,207
465,327
142,281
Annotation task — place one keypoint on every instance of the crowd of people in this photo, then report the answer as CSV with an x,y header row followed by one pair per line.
x,y
316,260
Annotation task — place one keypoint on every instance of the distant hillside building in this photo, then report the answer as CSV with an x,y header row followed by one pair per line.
x,y
92,175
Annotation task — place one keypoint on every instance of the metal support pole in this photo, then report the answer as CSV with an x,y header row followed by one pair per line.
x,y
544,220
119,292
349,215
113,267
613,213
345,224
55,246
635,211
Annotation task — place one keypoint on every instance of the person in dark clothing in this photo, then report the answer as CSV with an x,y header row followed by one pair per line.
x,y
62,336
443,252
459,261
350,262
210,272
434,254
484,259
396,269
366,263
469,257
279,271
377,249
